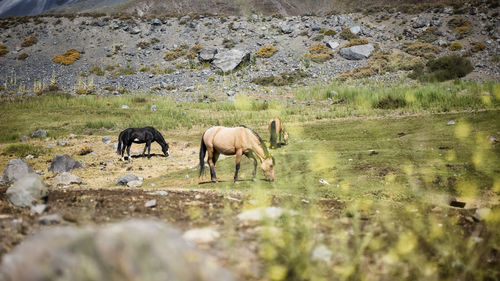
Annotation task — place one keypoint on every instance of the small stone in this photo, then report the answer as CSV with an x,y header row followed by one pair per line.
x,y
150,203
451,122
24,139
135,183
50,219
322,253
201,235
124,106
39,134
197,196
62,143
154,107
38,209
355,29
127,178
322,181
106,140
332,44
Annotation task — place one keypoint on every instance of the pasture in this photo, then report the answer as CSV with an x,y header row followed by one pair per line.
x,y
365,183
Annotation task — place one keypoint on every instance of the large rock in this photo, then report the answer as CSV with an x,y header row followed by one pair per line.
x,y
126,179
133,250
207,54
420,22
67,178
229,60
16,169
63,163
355,29
26,190
39,134
357,52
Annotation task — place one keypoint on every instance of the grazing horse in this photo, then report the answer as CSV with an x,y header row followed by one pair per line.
x,y
140,135
276,129
235,141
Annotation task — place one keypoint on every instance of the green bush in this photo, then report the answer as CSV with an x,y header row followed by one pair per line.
x,y
444,68
23,149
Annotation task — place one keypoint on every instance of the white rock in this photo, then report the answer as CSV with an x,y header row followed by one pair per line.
x,y
201,235
321,252
134,183
150,203
258,214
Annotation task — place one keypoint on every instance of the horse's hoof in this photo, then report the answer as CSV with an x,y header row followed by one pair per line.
x,y
214,180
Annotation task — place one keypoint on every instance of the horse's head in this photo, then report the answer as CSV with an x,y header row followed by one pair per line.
x,y
166,150
268,168
285,137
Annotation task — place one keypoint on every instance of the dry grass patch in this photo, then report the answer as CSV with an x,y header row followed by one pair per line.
x,y
346,34
22,56
478,47
319,53
266,52
143,44
193,52
460,26
3,50
29,41
421,49
455,46
68,58
355,42
176,53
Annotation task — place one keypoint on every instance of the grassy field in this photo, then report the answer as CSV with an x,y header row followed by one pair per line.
x,y
368,174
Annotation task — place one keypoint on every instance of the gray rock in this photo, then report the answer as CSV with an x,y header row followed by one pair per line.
x,y
321,252
286,29
24,139
63,163
50,219
451,122
106,140
39,134
125,179
355,29
67,178
115,146
156,21
16,169
315,27
420,22
231,93
39,208
357,52
154,107
442,43
147,249
135,31
26,190
332,44
62,143
184,19
134,183
207,54
229,60
201,235
150,203
124,106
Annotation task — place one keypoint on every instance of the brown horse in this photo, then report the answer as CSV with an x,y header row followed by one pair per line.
x,y
276,129
235,141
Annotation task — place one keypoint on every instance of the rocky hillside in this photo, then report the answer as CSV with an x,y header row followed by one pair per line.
x,y
187,57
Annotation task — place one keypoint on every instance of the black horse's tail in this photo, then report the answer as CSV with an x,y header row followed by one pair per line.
x,y
120,143
203,150
273,134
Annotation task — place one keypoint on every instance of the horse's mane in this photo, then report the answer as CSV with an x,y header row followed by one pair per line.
x,y
159,136
266,152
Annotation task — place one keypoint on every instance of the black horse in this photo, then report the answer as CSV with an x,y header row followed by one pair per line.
x,y
141,135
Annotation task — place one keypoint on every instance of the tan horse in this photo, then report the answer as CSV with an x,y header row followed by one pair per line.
x,y
235,141
276,129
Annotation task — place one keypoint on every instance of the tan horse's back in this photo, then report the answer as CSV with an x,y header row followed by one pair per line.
x,y
227,140
277,121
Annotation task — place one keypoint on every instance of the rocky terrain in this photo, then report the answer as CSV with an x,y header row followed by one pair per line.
x,y
190,56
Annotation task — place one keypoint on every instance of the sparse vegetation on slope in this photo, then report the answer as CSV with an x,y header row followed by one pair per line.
x,y
68,58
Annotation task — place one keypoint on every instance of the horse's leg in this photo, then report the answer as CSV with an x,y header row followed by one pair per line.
x,y
148,144
239,152
211,163
144,151
280,134
251,155
128,152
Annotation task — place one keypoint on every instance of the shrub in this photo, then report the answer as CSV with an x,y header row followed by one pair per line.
x,y
85,150
176,52
286,78
429,35
444,68
455,46
68,58
23,149
390,103
266,52
478,47
421,49
143,44
318,53
461,27
193,52
22,56
155,40
3,50
29,41
96,70
318,37
355,42
328,32
125,71
346,34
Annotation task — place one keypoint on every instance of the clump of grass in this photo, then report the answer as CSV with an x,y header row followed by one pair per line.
x,y
176,53
143,44
318,37
3,50
390,102
286,78
327,32
85,150
96,70
421,49
455,46
266,52
100,124
355,42
29,41
429,35
478,47
68,58
22,56
461,27
128,70
444,68
346,34
23,149
155,40
193,52
318,53
139,100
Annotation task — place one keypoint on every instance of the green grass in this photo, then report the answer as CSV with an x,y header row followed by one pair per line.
x,y
23,149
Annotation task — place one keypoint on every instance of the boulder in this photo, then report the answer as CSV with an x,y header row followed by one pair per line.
x,y
332,44
355,29
156,21
134,183
39,134
357,52
229,60
67,178
207,54
63,163
26,190
137,249
420,22
16,169
286,29
125,179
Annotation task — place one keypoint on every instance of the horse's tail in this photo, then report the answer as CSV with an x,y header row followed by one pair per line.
x,y
273,134
203,150
120,143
